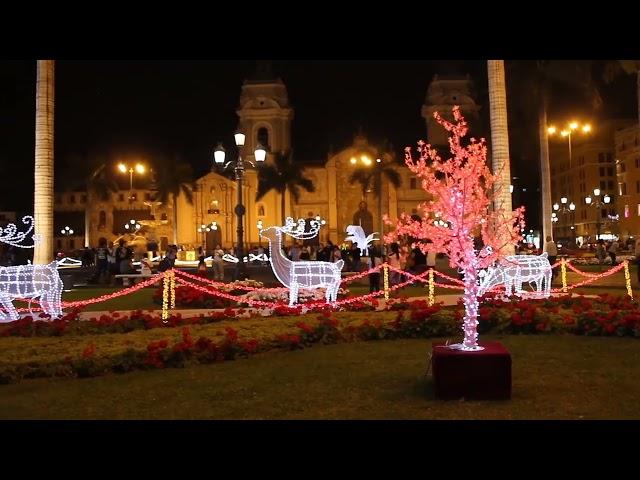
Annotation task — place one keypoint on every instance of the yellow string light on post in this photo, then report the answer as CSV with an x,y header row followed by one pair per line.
x,y
563,269
172,289
431,288
165,297
386,282
627,278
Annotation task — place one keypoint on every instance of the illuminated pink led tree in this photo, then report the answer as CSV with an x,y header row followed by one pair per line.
x,y
460,214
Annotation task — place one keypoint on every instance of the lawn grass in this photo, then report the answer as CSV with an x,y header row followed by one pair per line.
x,y
554,377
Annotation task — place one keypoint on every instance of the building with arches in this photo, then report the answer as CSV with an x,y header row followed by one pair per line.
x,y
265,115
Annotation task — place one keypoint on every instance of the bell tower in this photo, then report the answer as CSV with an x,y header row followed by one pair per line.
x,y
264,112
443,94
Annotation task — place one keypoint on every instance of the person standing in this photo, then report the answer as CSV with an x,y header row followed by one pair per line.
x,y
374,277
218,263
102,261
613,251
394,260
552,254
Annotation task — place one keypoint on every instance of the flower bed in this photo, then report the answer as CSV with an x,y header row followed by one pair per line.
x,y
606,315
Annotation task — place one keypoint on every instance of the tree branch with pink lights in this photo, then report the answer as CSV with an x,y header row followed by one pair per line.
x,y
461,220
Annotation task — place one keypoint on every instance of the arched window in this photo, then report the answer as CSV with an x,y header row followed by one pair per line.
x,y
102,218
263,137
261,211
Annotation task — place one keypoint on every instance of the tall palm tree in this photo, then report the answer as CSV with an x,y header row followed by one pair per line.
x,y
43,191
538,79
282,176
500,162
370,180
88,173
631,67
171,179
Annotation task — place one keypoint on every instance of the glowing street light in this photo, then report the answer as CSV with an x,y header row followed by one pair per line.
x,y
566,132
598,203
66,231
139,168
219,155
132,226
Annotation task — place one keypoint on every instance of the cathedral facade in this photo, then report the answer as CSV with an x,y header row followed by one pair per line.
x,y
265,116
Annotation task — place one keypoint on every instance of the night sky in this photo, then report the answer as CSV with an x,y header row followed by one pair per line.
x,y
119,108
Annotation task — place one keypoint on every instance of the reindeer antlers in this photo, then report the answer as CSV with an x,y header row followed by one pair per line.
x,y
11,236
297,230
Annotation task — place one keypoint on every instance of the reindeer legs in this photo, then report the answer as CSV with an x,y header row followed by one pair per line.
x,y
11,312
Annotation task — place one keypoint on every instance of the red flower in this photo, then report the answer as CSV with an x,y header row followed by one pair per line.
x,y
89,351
516,319
305,327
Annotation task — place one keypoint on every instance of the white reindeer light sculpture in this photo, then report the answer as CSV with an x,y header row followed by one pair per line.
x,y
28,281
357,236
306,274
514,270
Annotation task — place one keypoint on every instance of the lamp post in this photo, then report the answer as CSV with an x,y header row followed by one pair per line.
x,y
239,168
562,208
138,168
204,229
132,226
259,227
377,165
598,203
566,132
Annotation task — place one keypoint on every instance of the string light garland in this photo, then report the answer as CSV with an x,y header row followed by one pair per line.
x,y
431,300
170,282
172,289
627,279
165,298
563,270
386,282
589,280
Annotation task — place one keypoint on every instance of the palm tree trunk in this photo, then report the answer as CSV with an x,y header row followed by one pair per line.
x,y
43,191
175,220
638,93
284,205
545,170
500,162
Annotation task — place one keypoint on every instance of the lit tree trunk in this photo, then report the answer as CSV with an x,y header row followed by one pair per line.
x,y
43,192
500,163
547,229
470,300
87,217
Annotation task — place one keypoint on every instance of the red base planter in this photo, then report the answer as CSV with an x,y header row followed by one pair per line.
x,y
481,375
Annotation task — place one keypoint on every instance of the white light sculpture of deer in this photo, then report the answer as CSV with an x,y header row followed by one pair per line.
x,y
28,281
514,270
305,274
